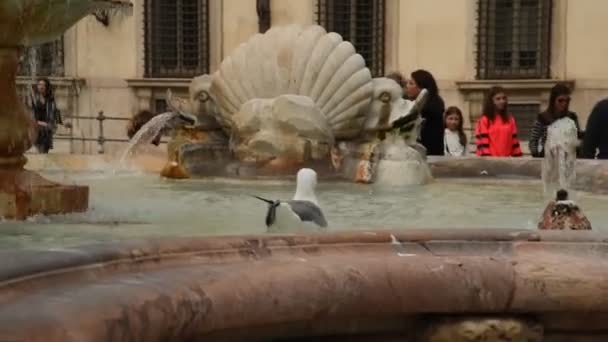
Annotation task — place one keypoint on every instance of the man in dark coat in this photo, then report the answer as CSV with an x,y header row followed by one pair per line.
x,y
596,133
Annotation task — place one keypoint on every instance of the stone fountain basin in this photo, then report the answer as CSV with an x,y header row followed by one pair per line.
x,y
378,283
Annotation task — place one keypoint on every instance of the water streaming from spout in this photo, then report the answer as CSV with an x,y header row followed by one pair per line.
x,y
559,163
147,133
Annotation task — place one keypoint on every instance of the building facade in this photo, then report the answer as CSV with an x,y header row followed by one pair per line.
x,y
120,64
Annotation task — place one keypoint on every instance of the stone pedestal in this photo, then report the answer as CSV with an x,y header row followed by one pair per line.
x,y
24,193
388,163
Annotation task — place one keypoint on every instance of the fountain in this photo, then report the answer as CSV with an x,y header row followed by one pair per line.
x,y
145,263
22,23
272,109
558,167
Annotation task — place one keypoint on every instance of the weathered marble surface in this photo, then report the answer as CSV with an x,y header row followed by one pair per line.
x,y
286,96
258,287
288,127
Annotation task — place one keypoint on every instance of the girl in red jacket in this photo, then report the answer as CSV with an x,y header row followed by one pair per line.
x,y
496,131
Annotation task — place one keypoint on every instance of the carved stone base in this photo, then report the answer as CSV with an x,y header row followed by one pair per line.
x,y
196,152
24,193
483,329
382,163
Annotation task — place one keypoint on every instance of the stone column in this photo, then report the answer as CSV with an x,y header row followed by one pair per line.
x,y
17,129
24,193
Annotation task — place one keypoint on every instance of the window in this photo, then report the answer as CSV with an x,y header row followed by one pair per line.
x,y
513,39
359,21
44,60
160,106
524,115
176,38
263,10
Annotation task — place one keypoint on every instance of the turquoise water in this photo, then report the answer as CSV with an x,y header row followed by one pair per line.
x,y
132,205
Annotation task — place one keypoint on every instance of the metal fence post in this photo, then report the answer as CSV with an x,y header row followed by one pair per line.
x,y
101,139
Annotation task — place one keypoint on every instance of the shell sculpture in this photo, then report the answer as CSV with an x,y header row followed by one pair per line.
x,y
300,61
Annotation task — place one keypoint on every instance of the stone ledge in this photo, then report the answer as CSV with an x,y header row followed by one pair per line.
x,y
55,81
158,82
187,288
524,84
591,174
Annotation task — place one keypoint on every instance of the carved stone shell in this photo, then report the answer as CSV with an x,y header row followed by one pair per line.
x,y
301,61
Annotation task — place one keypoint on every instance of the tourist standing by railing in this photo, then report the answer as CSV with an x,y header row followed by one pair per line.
x,y
46,114
559,103
496,131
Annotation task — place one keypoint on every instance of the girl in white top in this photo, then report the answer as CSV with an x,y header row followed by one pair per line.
x,y
454,139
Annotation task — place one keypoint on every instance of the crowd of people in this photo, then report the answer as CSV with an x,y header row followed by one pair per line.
x,y
496,132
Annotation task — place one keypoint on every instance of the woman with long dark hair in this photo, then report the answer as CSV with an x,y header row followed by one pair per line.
x,y
455,140
496,131
46,114
431,134
559,103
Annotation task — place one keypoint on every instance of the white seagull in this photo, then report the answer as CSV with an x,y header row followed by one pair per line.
x,y
302,212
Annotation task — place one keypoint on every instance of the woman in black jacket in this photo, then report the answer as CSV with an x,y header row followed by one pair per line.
x,y
431,134
559,102
46,114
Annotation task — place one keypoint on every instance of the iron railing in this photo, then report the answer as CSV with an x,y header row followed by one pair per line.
x,y
102,118
362,22
176,38
513,39
101,139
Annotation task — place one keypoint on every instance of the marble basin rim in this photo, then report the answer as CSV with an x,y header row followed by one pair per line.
x,y
172,288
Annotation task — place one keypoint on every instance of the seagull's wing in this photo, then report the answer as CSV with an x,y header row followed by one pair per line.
x,y
308,212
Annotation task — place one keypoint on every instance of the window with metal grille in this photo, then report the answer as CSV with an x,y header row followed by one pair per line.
x,y
513,39
362,23
160,106
176,38
43,61
524,114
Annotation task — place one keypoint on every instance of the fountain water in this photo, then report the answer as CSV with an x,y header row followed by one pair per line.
x,y
152,129
558,167
31,22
